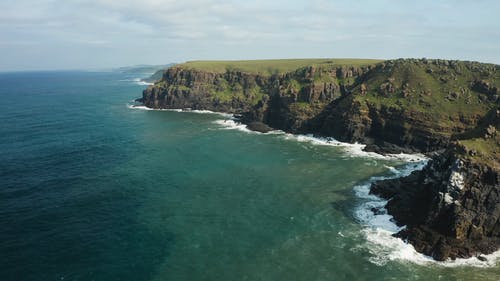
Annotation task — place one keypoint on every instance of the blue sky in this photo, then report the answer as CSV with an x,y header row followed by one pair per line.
x,y
92,34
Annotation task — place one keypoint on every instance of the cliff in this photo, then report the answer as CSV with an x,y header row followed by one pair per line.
x,y
404,105
451,208
283,100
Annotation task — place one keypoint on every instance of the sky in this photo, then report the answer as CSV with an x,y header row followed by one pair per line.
x,y
98,34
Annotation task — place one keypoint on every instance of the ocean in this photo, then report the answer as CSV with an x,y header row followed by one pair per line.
x,y
93,188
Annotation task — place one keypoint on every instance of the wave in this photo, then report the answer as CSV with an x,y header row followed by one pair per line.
x,y
186,110
380,226
226,115
233,124
353,149
137,81
229,124
143,83
141,107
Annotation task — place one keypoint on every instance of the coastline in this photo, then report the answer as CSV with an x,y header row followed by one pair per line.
x,y
390,107
379,226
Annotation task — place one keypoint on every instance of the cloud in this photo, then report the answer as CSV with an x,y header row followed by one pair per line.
x,y
167,30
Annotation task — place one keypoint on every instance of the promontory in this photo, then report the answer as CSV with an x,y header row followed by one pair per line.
x,y
447,109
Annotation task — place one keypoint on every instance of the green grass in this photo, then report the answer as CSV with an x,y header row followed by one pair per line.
x,y
436,105
225,93
486,150
270,67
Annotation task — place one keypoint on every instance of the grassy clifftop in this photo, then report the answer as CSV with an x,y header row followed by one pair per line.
x,y
449,94
432,85
269,67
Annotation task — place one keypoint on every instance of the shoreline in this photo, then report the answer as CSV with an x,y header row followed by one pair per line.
x,y
355,148
379,226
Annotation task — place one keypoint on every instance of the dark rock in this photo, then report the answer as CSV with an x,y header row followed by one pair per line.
x,y
453,96
442,250
377,211
259,127
451,208
485,87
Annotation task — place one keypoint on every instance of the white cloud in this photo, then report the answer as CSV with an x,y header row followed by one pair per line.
x,y
172,30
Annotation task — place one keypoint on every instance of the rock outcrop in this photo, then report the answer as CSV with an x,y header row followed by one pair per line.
x,y
283,101
451,207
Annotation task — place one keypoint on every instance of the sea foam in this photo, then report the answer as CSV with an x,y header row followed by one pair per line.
x,y
137,81
379,228
186,110
229,124
141,107
355,149
352,149
233,124
143,83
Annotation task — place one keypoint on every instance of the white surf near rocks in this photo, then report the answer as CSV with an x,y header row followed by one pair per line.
x,y
378,227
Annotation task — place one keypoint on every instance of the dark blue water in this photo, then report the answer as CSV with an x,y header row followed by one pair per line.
x,y
93,190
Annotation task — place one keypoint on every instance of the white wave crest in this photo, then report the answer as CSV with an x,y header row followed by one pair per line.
x,y
384,248
137,81
233,124
186,110
141,107
355,149
143,83
229,124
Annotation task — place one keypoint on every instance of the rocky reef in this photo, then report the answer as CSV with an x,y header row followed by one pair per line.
x,y
448,109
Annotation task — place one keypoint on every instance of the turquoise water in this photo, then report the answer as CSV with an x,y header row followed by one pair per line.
x,y
91,189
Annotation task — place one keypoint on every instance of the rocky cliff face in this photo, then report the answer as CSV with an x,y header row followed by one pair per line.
x,y
181,88
283,101
411,105
452,207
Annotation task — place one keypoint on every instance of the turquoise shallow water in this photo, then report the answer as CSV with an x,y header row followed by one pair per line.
x,y
93,190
